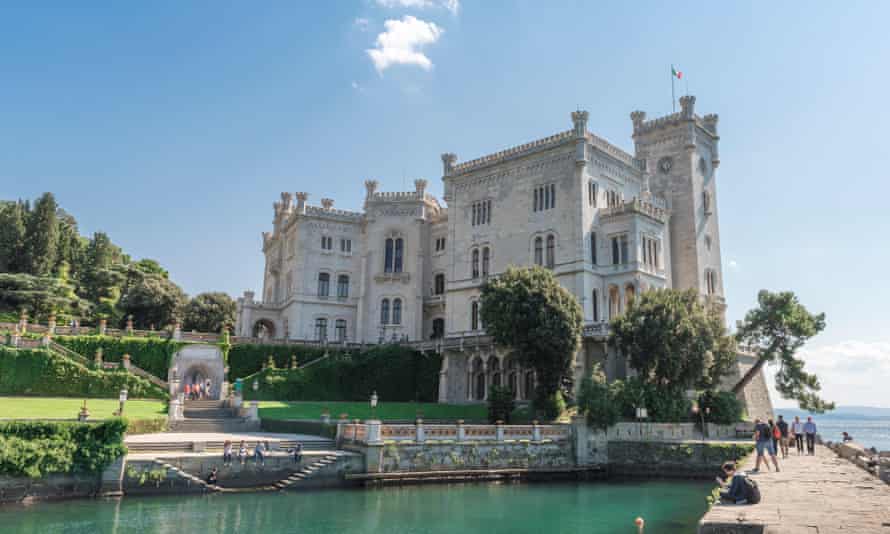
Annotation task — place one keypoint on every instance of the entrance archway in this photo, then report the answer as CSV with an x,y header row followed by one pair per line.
x,y
263,328
195,364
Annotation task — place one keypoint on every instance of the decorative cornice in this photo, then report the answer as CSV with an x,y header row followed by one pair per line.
x,y
513,152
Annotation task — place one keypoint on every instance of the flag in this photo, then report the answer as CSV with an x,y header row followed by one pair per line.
x,y
677,74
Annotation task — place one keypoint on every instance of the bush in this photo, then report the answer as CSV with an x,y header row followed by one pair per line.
x,y
396,373
38,448
151,354
248,359
726,408
40,372
500,404
550,407
598,400
664,405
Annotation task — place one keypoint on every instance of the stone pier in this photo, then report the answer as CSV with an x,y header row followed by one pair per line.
x,y
812,494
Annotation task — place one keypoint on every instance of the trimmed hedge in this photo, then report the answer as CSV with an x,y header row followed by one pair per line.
x,y
151,354
40,372
38,448
398,374
247,359
312,428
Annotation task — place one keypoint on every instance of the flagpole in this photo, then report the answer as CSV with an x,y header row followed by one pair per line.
x,y
673,98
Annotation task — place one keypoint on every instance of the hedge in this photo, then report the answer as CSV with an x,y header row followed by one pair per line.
x,y
151,354
398,374
43,373
37,448
312,428
247,359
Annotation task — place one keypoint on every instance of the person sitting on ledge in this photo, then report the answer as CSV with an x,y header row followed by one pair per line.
x,y
242,452
742,490
847,437
212,478
258,453
297,453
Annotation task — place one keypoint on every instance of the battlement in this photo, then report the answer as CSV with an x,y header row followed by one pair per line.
x,y
519,150
601,144
331,212
684,116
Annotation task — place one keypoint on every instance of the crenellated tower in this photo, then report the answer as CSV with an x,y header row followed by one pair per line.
x,y
681,152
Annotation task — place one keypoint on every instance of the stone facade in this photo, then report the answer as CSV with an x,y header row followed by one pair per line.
x,y
610,224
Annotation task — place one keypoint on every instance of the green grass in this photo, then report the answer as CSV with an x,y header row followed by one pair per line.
x,y
68,408
362,410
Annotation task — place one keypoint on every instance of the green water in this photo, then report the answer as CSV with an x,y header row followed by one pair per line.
x,y
668,507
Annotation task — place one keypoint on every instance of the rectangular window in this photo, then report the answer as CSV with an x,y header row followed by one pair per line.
x,y
321,329
596,306
624,249
327,242
616,254
346,245
481,213
544,197
593,248
341,329
591,193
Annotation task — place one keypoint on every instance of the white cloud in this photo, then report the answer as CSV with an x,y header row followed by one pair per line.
x,y
851,372
361,24
402,42
733,265
356,86
451,5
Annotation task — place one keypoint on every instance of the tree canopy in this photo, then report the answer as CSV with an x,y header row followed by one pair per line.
x,y
775,331
209,312
527,311
674,341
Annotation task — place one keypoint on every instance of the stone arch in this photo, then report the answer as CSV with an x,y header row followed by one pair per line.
x,y
263,328
194,363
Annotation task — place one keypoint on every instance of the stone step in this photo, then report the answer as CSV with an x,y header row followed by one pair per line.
x,y
217,446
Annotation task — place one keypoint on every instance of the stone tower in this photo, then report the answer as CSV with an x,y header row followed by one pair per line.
x,y
680,152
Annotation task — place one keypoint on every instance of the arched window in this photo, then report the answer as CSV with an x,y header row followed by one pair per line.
x,y
486,258
474,315
387,259
539,251
439,284
494,371
596,305
616,252
513,377
438,328
384,311
321,329
397,267
340,327
551,251
629,293
591,193
397,311
474,263
324,284
614,302
343,286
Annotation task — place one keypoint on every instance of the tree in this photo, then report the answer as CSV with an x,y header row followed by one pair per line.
x,y
152,300
42,236
40,296
598,400
12,237
775,331
209,312
527,311
148,266
674,341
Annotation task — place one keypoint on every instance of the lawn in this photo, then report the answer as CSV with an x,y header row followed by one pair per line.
x,y
362,410
68,408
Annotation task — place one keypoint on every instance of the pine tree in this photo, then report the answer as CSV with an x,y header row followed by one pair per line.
x,y
42,236
12,237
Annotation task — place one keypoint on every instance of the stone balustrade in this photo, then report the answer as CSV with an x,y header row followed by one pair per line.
x,y
365,433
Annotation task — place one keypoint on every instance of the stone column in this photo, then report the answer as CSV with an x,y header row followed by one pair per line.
x,y
419,435
173,409
461,432
103,326
499,431
23,322
443,380
97,359
253,412
52,325
374,431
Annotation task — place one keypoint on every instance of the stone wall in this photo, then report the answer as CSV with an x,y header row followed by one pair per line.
x,y
23,489
666,459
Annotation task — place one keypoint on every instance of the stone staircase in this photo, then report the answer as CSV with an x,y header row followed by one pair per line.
x,y
206,416
306,472
216,446
187,476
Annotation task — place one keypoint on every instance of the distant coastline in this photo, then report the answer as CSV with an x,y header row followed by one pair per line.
x,y
869,426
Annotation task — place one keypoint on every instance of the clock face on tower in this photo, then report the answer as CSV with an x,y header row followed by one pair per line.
x,y
665,164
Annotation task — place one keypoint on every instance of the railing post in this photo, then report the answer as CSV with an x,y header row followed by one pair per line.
x,y
499,430
177,331
461,432
125,361
419,435
46,339
536,431
103,326
374,432
51,327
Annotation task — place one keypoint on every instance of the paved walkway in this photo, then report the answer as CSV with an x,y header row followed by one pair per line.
x,y
165,437
813,495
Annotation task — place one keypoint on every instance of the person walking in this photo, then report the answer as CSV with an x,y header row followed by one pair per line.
x,y
207,384
298,453
774,432
258,455
242,452
782,425
763,440
797,430
187,389
227,453
809,429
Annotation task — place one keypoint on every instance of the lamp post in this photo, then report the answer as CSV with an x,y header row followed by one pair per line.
x,y
256,385
642,414
705,421
123,399
374,399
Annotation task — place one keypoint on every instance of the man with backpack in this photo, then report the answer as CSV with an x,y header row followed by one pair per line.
x,y
742,490
763,440
782,425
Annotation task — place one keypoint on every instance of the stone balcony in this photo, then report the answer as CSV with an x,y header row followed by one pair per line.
x,y
596,330
636,207
402,277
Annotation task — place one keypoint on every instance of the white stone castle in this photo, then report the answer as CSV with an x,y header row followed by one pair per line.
x,y
610,224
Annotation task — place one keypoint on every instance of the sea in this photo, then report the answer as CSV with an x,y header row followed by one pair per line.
x,y
870,427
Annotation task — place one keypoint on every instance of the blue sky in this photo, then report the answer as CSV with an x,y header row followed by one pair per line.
x,y
174,125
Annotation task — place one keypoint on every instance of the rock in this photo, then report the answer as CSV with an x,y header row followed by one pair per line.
x,y
884,454
850,450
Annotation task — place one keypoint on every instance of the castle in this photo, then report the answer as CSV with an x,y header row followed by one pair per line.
x,y
608,223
